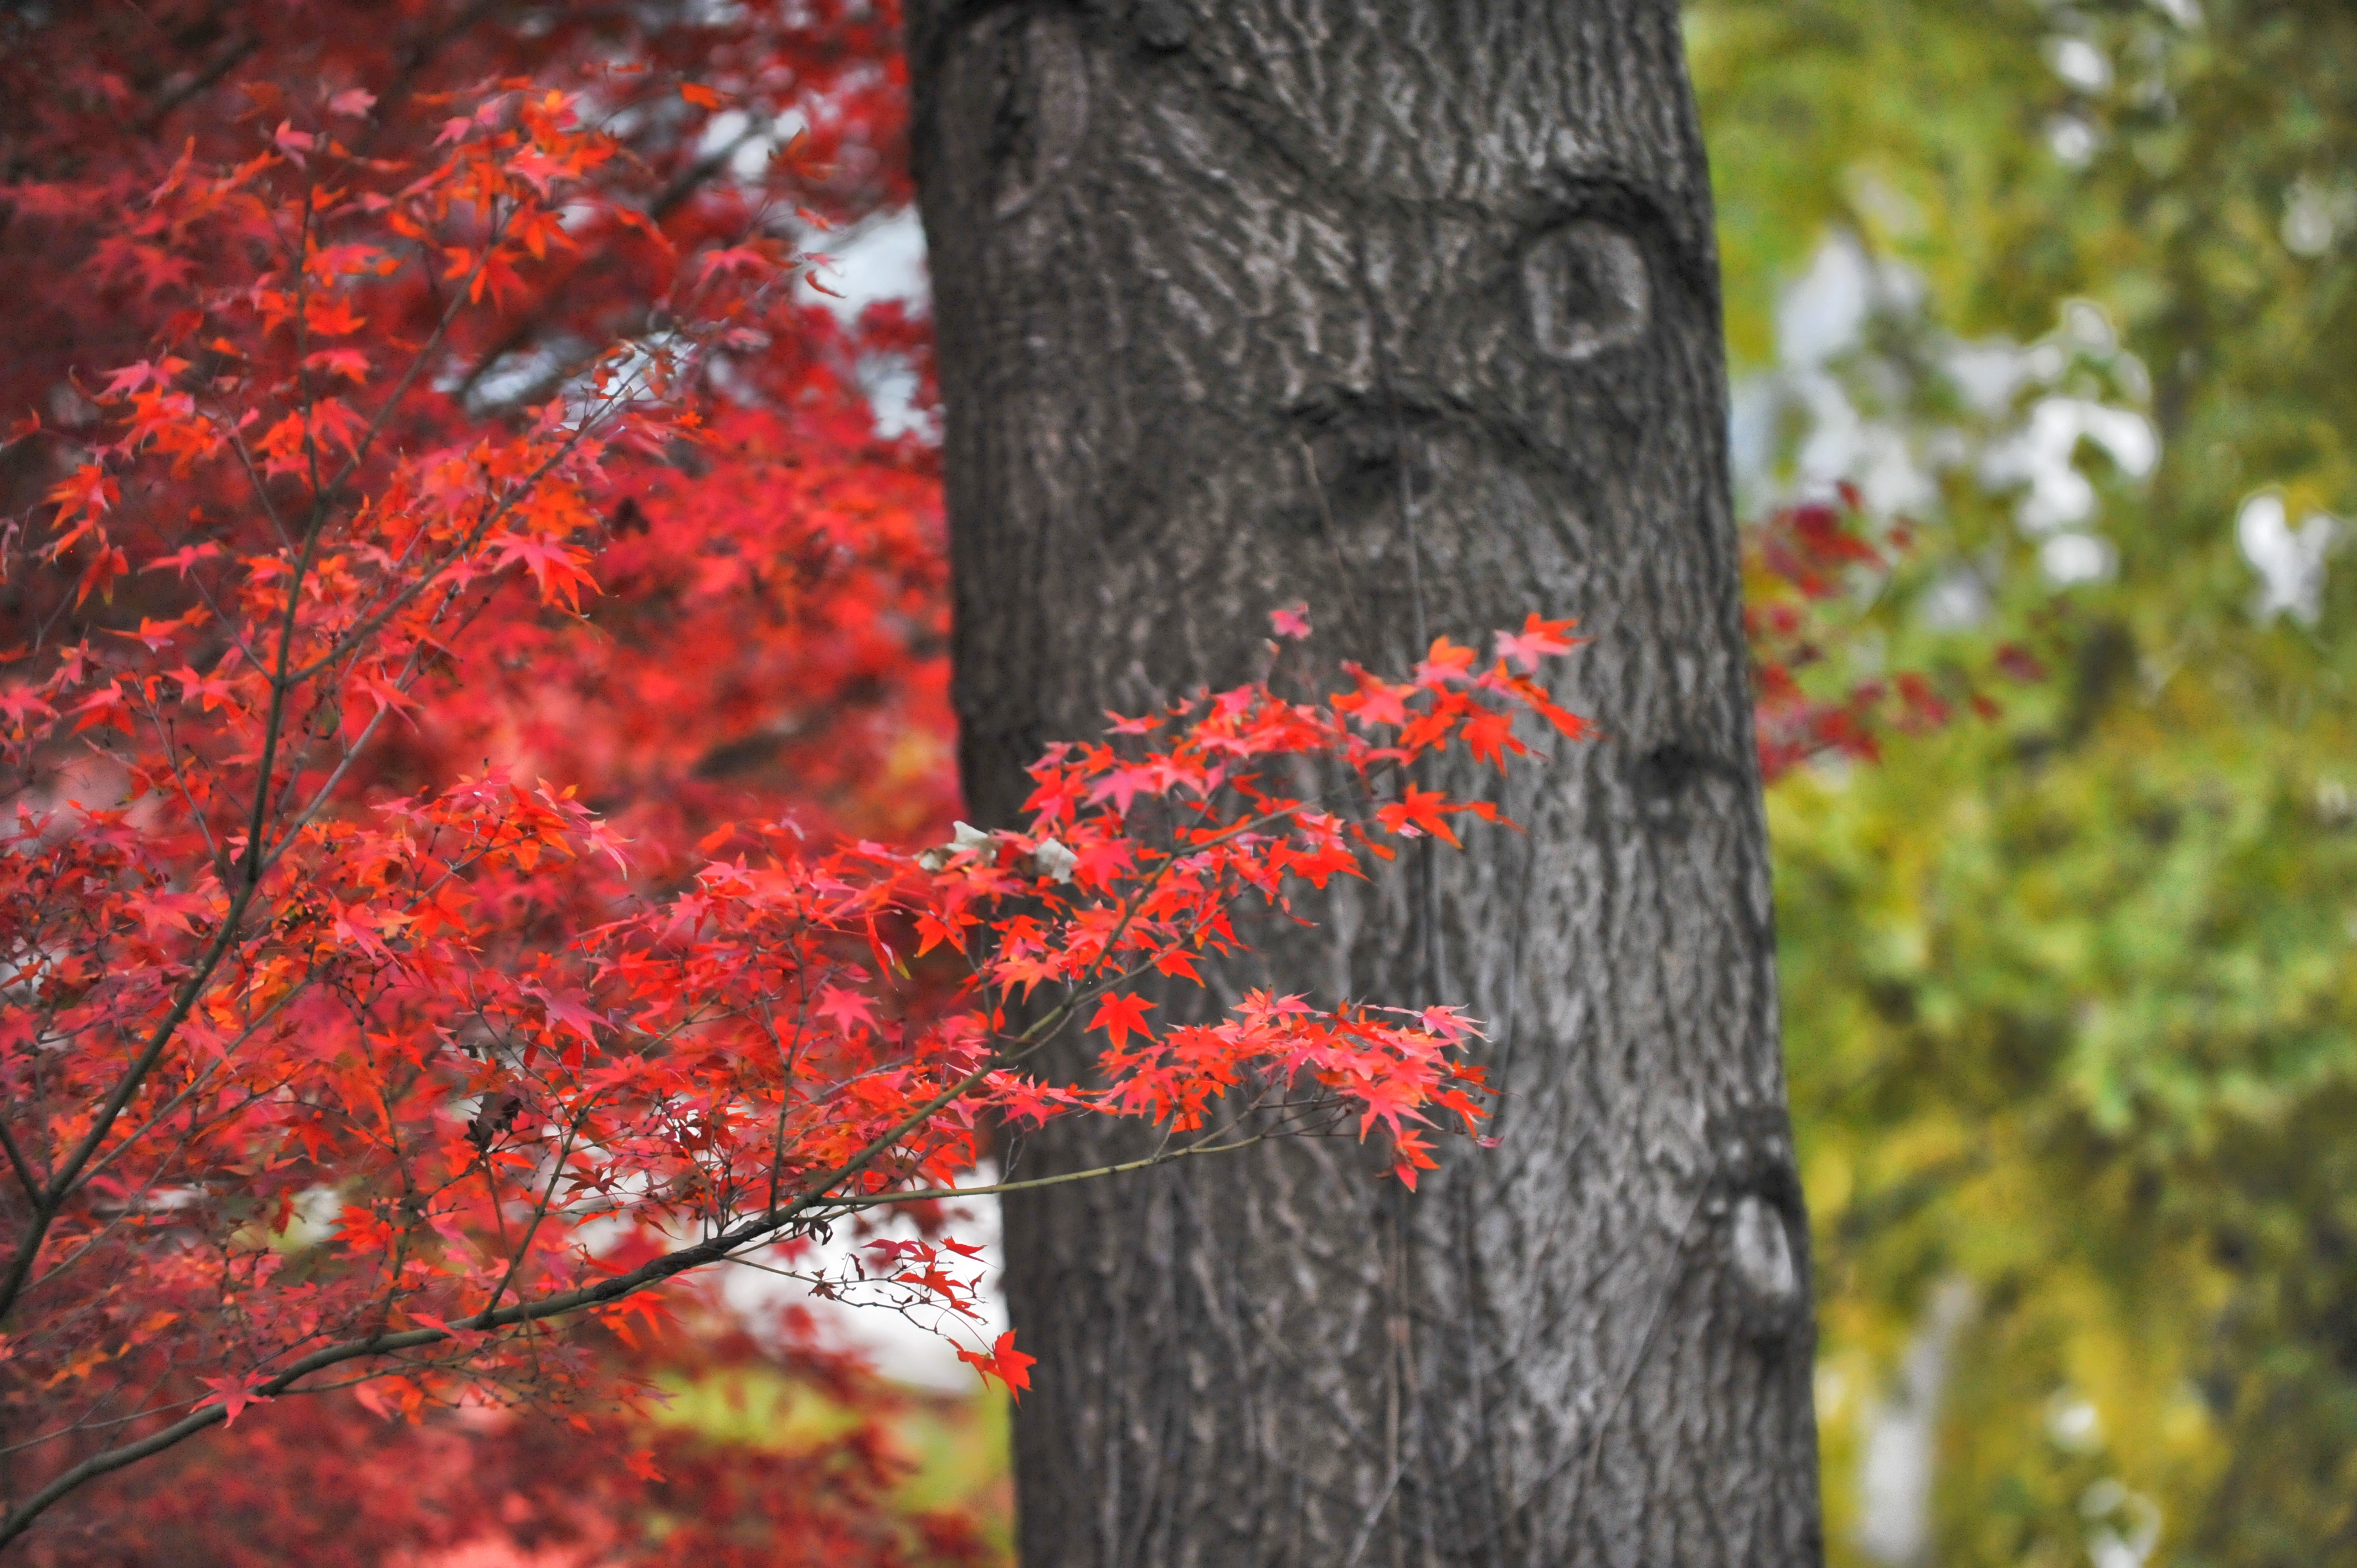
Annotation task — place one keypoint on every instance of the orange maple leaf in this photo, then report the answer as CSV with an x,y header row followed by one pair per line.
x,y
1120,1013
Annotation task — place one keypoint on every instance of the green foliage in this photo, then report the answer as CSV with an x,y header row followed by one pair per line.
x,y
2070,1011
957,1443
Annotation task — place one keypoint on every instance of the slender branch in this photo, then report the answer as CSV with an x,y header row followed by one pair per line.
x,y
787,1057
712,1250
228,59
62,1433
368,624
417,362
269,508
171,748
945,1194
24,1168
62,1180
682,187
197,1084
540,1211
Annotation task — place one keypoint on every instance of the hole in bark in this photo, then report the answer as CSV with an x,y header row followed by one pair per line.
x,y
1586,289
1667,771
1163,23
1664,781
1358,455
1762,1252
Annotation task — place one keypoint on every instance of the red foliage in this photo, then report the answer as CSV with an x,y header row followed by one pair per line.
x,y
432,415
324,1481
1799,560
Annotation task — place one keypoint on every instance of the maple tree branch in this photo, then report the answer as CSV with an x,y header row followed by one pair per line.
x,y
274,723
241,896
103,1463
717,1248
713,1249
408,677
16,1158
368,624
62,1181
420,54
269,508
87,1424
129,1212
309,404
417,362
162,728
198,1082
786,1059
1131,906
228,59
682,186
319,799
540,1211
946,1194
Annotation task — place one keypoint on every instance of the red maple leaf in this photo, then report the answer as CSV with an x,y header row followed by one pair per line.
x,y
1003,1361
1123,786
1419,811
233,1394
1538,639
569,1009
561,569
1121,1013
848,1008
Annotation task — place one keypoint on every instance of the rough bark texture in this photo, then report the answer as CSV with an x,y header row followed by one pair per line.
x,y
1408,307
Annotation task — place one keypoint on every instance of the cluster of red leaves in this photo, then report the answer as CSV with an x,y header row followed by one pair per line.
x,y
818,688
488,1487
734,128
1798,561
326,1060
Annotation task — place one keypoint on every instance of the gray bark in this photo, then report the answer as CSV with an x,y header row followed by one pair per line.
x,y
1409,308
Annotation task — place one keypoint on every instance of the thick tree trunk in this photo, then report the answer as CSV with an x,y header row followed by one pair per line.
x,y
1409,308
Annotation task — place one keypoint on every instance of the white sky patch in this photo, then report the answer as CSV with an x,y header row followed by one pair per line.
x,y
1822,317
2316,213
2042,454
1958,601
1988,373
2079,64
1822,313
2123,1526
2069,558
1895,1468
883,259
880,260
2074,1423
917,1347
2290,560
1851,400
2073,139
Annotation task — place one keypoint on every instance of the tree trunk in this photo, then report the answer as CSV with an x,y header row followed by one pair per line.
x,y
1408,308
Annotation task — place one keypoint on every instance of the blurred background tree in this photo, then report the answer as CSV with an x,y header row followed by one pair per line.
x,y
2069,1011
